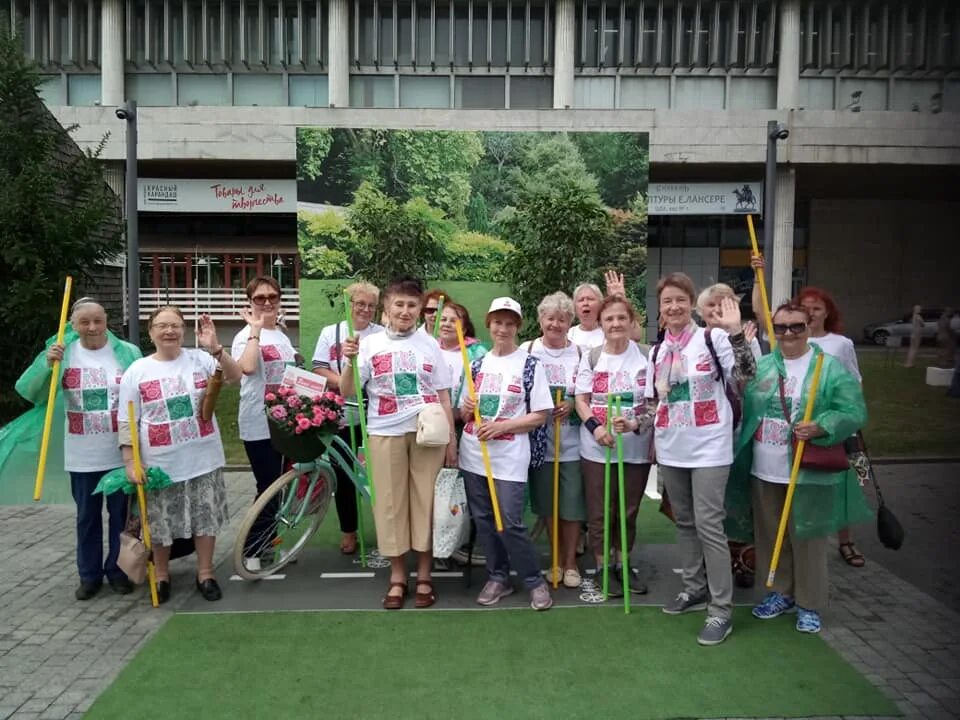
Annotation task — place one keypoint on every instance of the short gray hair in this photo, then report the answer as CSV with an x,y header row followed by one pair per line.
x,y
83,302
556,302
587,286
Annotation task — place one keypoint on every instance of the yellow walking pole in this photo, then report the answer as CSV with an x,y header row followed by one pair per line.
x,y
556,494
484,451
794,471
52,395
142,503
761,280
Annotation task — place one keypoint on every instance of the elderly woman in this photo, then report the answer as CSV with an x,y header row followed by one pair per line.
x,y
560,358
450,345
328,361
92,361
774,405
403,374
587,299
514,399
263,351
693,433
708,307
428,314
615,370
167,389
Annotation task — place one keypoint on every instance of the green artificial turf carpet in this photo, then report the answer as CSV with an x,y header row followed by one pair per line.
x,y
567,663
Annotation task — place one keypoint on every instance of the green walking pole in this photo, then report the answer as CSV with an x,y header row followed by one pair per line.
x,y
436,322
606,506
624,553
363,548
361,413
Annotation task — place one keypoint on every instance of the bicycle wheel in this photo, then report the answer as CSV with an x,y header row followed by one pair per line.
x,y
264,545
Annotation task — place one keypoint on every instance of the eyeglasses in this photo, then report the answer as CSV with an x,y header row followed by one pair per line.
x,y
795,328
163,327
364,306
273,299
430,310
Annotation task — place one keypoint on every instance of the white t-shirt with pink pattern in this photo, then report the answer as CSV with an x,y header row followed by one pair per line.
x,y
276,353
694,423
621,376
91,387
560,367
401,376
167,396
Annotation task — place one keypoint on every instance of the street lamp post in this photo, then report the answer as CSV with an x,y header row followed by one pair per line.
x,y
128,113
775,131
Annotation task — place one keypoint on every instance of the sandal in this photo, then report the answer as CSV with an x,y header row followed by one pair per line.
x,y
395,602
348,543
850,554
425,599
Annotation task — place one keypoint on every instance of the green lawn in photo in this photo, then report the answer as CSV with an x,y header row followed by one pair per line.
x,y
566,663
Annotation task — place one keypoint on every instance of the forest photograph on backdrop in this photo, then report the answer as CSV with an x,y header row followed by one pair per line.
x,y
488,213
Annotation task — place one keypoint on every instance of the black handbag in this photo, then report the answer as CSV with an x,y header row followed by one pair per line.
x,y
889,530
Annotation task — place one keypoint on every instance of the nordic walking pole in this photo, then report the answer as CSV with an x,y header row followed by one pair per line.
x,y
142,502
361,412
363,549
794,471
761,280
624,553
436,322
606,504
556,494
52,395
484,450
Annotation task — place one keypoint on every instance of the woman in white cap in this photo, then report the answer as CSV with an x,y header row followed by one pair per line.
x,y
514,399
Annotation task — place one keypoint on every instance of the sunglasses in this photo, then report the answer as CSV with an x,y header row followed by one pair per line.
x,y
795,328
272,298
429,310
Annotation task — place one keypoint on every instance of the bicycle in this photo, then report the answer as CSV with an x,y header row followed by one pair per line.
x,y
293,507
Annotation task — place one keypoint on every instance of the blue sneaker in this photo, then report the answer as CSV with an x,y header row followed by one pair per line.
x,y
808,621
774,605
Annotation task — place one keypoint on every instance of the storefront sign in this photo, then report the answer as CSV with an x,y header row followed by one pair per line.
x,y
723,198
216,196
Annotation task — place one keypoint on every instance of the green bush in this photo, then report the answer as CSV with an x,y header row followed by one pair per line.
x,y
477,257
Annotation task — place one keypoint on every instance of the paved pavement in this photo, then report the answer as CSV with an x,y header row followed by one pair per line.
x,y
895,620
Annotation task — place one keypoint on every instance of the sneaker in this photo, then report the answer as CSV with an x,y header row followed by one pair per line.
x,y
252,564
540,597
637,586
774,605
683,603
808,621
715,630
493,592
571,578
87,590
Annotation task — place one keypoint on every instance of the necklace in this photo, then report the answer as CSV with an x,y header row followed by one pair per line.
x,y
553,353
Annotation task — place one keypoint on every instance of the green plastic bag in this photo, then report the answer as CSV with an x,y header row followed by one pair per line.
x,y
20,438
115,480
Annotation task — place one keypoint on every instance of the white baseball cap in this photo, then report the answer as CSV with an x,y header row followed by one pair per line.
x,y
505,303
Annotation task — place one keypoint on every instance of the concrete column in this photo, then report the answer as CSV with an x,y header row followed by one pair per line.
x,y
111,53
564,44
781,289
338,44
788,66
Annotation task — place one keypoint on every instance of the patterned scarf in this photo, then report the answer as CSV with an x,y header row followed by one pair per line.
x,y
396,335
670,370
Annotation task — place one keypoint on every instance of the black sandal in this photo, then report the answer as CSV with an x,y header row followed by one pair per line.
x,y
850,554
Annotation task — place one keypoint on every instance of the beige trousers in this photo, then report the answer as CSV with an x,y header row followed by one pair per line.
x,y
404,476
802,571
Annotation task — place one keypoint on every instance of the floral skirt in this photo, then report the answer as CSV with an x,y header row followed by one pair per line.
x,y
197,506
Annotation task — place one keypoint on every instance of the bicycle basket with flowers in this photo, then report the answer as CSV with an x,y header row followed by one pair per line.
x,y
301,426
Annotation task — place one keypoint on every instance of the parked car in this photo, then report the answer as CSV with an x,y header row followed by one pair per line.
x,y
879,332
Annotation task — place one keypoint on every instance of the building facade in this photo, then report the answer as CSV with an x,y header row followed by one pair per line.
x,y
869,91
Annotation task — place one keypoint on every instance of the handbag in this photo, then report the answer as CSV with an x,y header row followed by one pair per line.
x,y
451,523
822,458
133,555
433,428
889,530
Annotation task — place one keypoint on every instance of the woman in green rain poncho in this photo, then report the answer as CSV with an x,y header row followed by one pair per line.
x,y
92,362
773,408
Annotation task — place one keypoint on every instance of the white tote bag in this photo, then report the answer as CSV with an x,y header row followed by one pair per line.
x,y
451,523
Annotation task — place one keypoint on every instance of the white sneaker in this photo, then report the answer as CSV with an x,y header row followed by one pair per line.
x,y
252,564
571,578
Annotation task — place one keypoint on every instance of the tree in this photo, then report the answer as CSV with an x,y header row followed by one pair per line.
x,y
619,161
328,247
478,214
395,239
498,175
57,215
631,252
476,257
313,146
